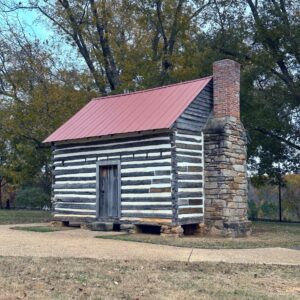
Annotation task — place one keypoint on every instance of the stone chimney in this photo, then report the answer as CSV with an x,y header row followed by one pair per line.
x,y
225,155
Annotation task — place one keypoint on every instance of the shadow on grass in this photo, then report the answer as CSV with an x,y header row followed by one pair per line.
x,y
265,235
37,228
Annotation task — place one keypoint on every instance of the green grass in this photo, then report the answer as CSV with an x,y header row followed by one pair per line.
x,y
265,234
16,216
36,228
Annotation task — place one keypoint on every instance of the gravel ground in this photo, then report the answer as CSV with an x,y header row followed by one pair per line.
x,y
81,243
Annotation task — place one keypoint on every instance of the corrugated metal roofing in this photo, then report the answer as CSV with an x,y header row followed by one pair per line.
x,y
152,109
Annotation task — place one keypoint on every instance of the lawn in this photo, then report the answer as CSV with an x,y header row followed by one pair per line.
x,y
37,228
16,216
265,234
55,278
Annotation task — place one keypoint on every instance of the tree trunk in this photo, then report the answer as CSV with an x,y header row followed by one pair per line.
x,y
111,71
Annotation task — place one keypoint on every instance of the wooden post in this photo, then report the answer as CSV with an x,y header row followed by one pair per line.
x,y
280,200
1,193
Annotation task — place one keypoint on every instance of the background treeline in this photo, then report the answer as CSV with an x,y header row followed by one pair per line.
x,y
99,47
264,199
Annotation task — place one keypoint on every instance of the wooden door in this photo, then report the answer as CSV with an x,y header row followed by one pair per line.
x,y
109,192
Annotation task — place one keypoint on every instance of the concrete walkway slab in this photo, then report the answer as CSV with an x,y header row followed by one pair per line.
x,y
82,243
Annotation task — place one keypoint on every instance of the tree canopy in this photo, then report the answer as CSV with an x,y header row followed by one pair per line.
x,y
130,45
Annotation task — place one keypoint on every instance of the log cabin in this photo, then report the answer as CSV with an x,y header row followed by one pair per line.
x,y
172,156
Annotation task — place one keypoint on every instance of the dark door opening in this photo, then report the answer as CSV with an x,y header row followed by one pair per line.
x,y
108,191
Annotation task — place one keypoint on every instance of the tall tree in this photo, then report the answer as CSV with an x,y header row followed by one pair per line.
x,y
4,174
264,37
171,25
36,96
132,44
111,36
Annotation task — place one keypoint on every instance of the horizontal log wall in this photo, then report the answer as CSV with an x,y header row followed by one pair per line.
x,y
189,154
196,115
190,158
145,176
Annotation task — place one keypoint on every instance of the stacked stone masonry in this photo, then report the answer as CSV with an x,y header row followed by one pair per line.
x,y
226,178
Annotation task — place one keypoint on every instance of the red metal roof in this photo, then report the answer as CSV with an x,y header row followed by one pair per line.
x,y
156,108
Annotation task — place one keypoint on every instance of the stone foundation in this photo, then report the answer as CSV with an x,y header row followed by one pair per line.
x,y
226,178
59,223
102,226
171,231
228,229
130,228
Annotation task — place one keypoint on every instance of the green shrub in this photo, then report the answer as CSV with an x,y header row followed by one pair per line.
x,y
32,197
268,210
252,210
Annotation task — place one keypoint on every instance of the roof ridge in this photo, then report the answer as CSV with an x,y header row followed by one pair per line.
x,y
151,89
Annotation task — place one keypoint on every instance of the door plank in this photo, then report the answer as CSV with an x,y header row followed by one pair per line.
x,y
109,191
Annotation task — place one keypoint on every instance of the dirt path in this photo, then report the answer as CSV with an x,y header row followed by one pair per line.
x,y
81,243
